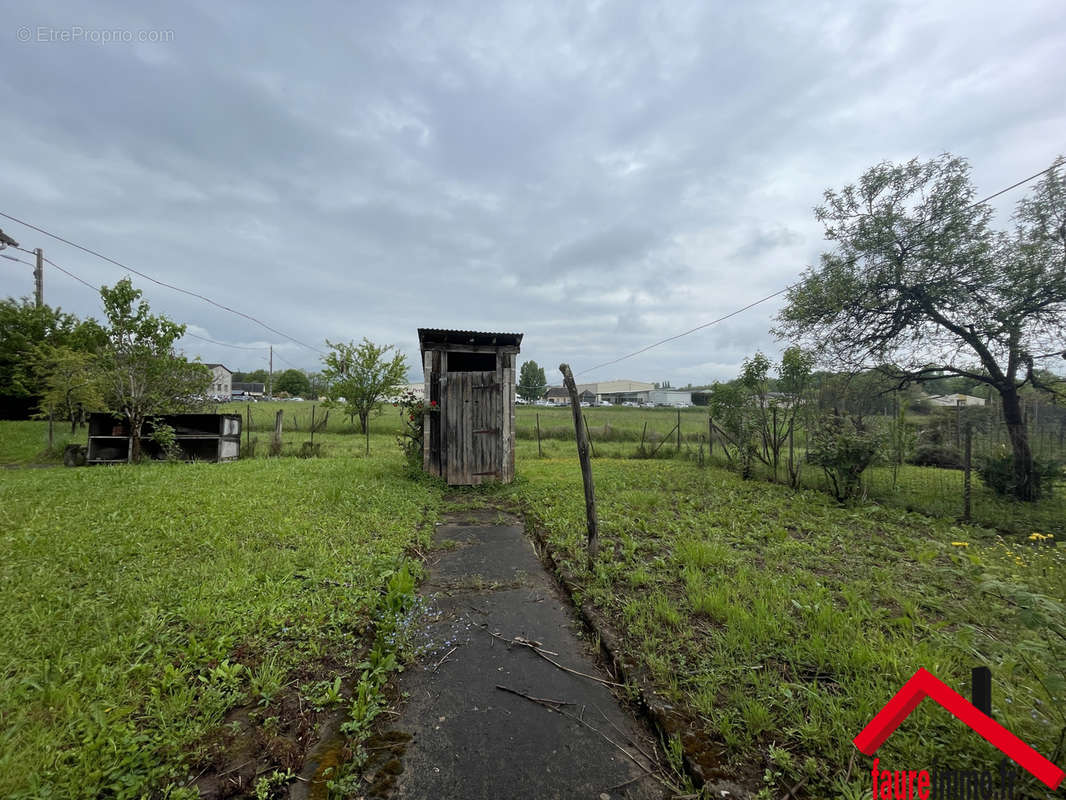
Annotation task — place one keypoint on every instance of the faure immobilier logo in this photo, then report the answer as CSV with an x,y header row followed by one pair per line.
x,y
942,782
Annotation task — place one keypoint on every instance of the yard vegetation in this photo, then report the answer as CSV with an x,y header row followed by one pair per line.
x,y
159,615
159,618
779,622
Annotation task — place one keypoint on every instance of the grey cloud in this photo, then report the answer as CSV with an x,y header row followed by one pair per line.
x,y
599,176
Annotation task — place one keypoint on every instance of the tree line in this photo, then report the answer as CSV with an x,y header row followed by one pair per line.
x,y
56,366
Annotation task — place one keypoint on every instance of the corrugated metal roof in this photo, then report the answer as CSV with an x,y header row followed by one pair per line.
x,y
446,336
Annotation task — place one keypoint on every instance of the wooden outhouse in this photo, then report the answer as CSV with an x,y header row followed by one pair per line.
x,y
470,376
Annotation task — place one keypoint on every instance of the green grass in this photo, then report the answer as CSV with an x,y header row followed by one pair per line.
x,y
777,621
27,442
780,621
296,417
610,423
143,603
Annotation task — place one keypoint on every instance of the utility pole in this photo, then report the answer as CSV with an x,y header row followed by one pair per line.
x,y
38,276
270,381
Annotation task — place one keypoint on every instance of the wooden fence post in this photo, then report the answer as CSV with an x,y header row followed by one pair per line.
x,y
710,436
588,436
966,487
275,445
981,689
540,453
586,466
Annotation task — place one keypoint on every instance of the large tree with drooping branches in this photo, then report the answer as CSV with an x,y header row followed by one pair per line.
x,y
920,285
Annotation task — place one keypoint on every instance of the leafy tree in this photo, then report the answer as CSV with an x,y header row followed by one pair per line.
x,y
532,384
363,374
920,283
757,421
293,382
69,383
141,374
23,328
256,376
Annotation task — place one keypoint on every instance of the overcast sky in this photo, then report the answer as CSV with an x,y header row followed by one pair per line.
x,y
595,175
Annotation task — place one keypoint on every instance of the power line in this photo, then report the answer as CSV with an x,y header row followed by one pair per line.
x,y
686,333
224,344
119,264
97,289
285,360
917,228
19,260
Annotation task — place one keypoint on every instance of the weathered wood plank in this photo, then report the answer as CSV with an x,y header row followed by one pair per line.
x,y
586,466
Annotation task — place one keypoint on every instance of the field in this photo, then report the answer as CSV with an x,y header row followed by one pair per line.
x,y
144,604
149,608
780,623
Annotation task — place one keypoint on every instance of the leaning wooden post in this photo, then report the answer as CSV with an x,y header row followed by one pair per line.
x,y
966,491
586,466
276,444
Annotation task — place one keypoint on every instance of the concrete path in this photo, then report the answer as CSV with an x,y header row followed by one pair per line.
x,y
470,739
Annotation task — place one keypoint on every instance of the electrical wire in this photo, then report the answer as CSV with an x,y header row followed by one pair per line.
x,y
224,344
97,289
171,286
916,228
18,260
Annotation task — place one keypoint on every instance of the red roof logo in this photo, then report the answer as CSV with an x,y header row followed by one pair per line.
x,y
924,684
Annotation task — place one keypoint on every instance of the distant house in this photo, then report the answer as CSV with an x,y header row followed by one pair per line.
x,y
953,400
558,396
221,381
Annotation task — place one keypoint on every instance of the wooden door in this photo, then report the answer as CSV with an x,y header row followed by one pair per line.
x,y
474,409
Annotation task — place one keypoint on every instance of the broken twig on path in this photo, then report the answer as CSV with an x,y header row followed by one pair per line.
x,y
541,700
540,651
445,658
516,640
548,704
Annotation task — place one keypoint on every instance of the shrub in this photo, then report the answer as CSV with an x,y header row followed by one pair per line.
x,y
843,448
997,473
413,410
936,455
167,439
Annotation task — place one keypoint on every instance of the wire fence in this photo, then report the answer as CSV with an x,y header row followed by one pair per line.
x,y
921,465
